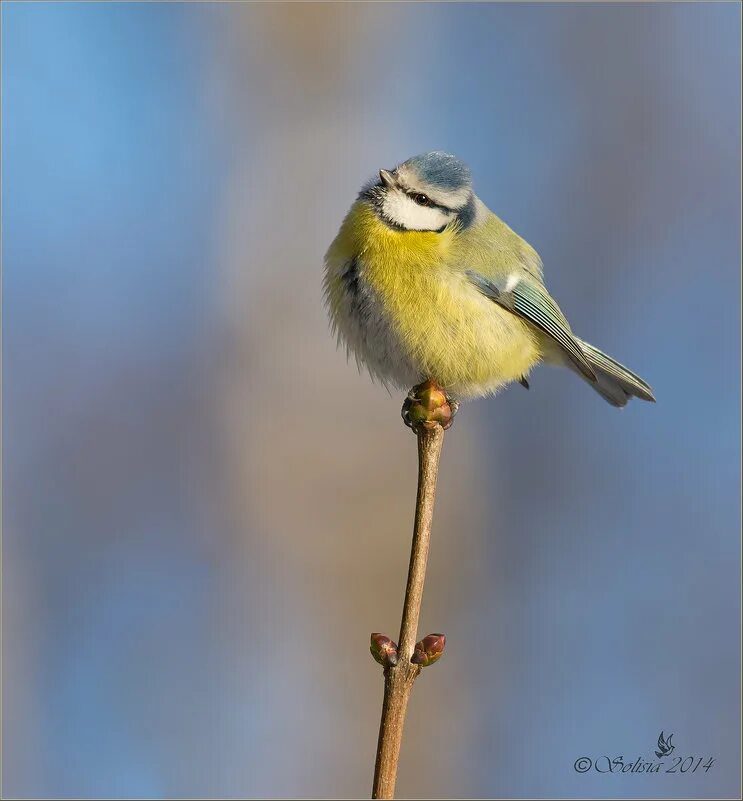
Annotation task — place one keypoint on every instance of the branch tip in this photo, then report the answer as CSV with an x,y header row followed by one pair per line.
x,y
427,406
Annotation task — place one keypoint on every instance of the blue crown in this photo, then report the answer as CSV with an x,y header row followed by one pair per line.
x,y
441,170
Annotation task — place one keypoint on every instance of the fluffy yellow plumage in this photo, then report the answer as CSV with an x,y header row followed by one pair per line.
x,y
423,281
437,324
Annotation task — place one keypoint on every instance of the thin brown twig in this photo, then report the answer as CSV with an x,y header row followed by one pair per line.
x,y
400,677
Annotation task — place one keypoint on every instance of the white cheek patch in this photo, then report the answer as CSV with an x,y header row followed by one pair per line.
x,y
406,213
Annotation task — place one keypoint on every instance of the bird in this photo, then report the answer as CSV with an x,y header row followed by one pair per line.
x,y
665,746
424,282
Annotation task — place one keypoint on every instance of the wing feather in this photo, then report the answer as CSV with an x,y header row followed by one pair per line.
x,y
533,303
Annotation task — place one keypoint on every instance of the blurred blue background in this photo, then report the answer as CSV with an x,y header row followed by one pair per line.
x,y
207,510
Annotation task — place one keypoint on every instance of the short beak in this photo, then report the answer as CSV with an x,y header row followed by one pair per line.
x,y
387,178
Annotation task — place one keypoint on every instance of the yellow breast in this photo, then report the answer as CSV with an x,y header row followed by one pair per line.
x,y
416,314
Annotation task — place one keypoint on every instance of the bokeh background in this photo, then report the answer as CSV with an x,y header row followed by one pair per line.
x,y
207,510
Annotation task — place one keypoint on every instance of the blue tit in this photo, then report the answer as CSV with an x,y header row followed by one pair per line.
x,y
423,281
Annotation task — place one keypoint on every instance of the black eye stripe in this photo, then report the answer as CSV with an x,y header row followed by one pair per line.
x,y
430,204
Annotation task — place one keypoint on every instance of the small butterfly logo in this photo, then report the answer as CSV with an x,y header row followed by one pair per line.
x,y
665,746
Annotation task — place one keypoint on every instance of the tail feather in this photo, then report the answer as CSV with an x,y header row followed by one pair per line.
x,y
614,382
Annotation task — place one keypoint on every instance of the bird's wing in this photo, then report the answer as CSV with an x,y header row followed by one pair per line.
x,y
532,302
661,742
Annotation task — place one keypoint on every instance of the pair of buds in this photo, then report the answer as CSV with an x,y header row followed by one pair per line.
x,y
426,652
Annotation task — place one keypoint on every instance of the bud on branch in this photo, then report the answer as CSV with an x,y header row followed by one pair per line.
x,y
427,406
384,650
428,650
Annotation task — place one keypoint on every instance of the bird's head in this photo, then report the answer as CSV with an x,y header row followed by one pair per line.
x,y
424,193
